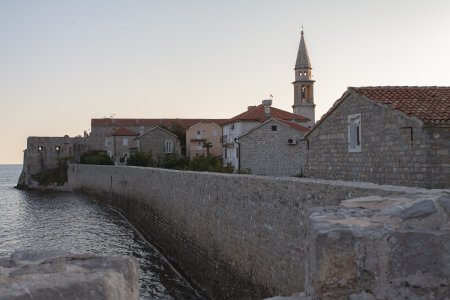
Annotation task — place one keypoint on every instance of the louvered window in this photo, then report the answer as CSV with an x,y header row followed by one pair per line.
x,y
354,133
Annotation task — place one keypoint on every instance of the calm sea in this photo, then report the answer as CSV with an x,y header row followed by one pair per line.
x,y
55,220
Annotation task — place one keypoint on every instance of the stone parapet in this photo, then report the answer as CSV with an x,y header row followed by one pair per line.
x,y
58,275
393,247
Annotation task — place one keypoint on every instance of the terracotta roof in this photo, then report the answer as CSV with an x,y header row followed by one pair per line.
x,y
123,132
294,125
151,122
257,114
428,103
157,128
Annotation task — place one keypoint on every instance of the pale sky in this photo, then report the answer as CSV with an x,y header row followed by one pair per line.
x,y
65,62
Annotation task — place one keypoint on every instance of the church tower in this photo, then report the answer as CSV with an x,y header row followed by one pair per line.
x,y
304,85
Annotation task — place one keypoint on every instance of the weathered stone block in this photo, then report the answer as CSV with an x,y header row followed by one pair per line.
x,y
379,248
42,275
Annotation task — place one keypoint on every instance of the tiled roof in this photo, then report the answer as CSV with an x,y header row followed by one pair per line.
x,y
151,122
123,132
428,103
257,114
294,125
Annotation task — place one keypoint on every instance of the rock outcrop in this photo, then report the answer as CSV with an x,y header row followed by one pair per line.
x,y
380,248
40,275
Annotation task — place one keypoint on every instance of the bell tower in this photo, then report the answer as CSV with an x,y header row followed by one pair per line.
x,y
304,85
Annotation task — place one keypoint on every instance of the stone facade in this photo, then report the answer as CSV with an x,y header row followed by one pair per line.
x,y
236,236
45,153
156,141
273,148
395,148
120,147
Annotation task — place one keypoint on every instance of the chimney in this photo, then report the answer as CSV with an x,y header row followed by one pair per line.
x,y
249,108
267,104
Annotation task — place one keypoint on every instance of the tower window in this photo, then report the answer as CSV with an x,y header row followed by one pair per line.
x,y
303,91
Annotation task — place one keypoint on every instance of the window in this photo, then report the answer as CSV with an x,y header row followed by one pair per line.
x,y
199,146
168,146
274,128
354,133
198,132
125,142
108,143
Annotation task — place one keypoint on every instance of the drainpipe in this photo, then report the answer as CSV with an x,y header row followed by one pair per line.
x,y
239,153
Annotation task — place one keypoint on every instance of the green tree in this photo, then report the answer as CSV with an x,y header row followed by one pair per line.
x,y
208,145
96,157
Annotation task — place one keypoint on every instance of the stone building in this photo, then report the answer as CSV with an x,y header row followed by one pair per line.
x,y
275,147
158,141
100,128
120,143
46,153
240,124
304,85
202,133
385,135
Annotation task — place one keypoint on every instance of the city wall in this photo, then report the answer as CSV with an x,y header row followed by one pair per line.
x,y
235,236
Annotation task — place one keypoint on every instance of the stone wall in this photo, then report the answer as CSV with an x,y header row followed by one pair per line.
x,y
395,149
236,236
267,152
154,142
45,153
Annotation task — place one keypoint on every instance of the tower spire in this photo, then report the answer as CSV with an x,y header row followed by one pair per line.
x,y
302,54
303,84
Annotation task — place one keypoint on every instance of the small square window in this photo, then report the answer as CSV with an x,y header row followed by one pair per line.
x,y
274,128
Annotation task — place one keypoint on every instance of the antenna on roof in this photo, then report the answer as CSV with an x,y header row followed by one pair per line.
x,y
112,116
271,97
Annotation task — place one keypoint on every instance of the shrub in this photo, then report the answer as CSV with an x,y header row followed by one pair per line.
x,y
96,157
141,159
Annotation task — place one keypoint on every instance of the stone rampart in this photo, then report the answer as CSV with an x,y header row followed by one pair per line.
x,y
236,236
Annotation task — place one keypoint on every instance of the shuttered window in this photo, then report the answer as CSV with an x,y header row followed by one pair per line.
x,y
168,146
354,133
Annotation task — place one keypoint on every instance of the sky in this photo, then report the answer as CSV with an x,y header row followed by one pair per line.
x,y
65,62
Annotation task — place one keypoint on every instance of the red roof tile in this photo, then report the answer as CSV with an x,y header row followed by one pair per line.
x,y
151,122
123,132
429,103
294,125
257,114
